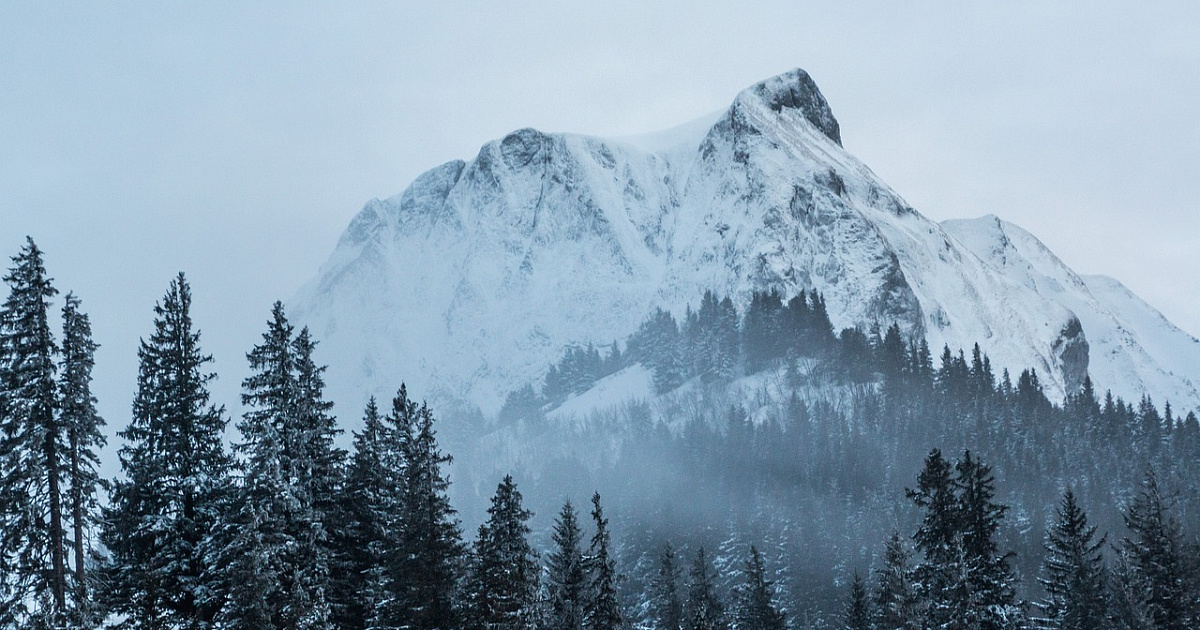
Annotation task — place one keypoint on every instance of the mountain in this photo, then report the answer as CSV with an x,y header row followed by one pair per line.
x,y
471,282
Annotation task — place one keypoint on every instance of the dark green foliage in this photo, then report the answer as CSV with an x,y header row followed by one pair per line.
x,y
602,611
33,452
703,609
896,603
1157,572
566,575
503,583
754,601
84,439
858,607
423,565
666,609
175,480
1072,571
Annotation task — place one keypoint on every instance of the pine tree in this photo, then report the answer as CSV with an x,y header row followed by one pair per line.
x,y
989,598
84,437
858,607
703,609
895,597
754,605
504,575
665,607
366,516
602,610
936,538
566,577
1073,571
424,563
176,480
33,452
1156,559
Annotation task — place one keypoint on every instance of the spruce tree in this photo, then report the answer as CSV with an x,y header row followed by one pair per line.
x,y
84,438
895,597
858,607
366,515
603,610
504,575
425,562
1073,571
986,595
175,480
566,578
33,452
666,609
703,609
754,604
1157,561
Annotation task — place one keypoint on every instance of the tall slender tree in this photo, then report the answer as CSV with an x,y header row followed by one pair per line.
x,y
504,573
703,610
666,609
84,438
895,597
1072,571
754,605
176,480
603,608
565,574
33,451
858,607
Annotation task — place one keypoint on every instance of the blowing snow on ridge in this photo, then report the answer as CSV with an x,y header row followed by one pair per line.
x,y
472,281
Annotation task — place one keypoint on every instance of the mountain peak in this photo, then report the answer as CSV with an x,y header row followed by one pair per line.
x,y
796,90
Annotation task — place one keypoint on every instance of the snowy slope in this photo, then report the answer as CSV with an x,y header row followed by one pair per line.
x,y
1134,349
473,280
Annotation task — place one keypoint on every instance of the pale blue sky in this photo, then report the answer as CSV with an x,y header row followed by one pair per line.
x,y
235,140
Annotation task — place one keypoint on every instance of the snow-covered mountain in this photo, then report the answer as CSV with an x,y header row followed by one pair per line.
x,y
472,281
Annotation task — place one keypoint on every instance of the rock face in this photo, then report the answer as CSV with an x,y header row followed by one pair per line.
x,y
472,281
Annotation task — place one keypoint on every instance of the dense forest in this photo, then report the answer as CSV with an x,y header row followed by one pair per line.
x,y
785,476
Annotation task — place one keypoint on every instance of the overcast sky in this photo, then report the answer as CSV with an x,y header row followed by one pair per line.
x,y
235,140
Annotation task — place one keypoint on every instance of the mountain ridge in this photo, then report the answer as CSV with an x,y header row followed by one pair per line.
x,y
472,281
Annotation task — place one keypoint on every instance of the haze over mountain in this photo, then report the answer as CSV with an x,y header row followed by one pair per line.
x,y
471,282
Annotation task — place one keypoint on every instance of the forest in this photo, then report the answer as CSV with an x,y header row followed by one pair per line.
x,y
859,486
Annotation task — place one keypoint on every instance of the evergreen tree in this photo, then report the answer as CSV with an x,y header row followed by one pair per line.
x,y
504,577
1073,571
176,479
602,610
666,609
858,607
366,516
84,437
754,605
936,538
895,599
424,564
33,452
278,541
566,577
703,609
1157,562
987,592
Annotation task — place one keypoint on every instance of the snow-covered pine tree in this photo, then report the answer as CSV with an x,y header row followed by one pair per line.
x,y
364,524
84,438
754,601
603,608
703,609
1072,571
503,584
895,599
566,579
1157,562
289,460
176,474
986,595
857,615
424,564
666,609
936,538
33,452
